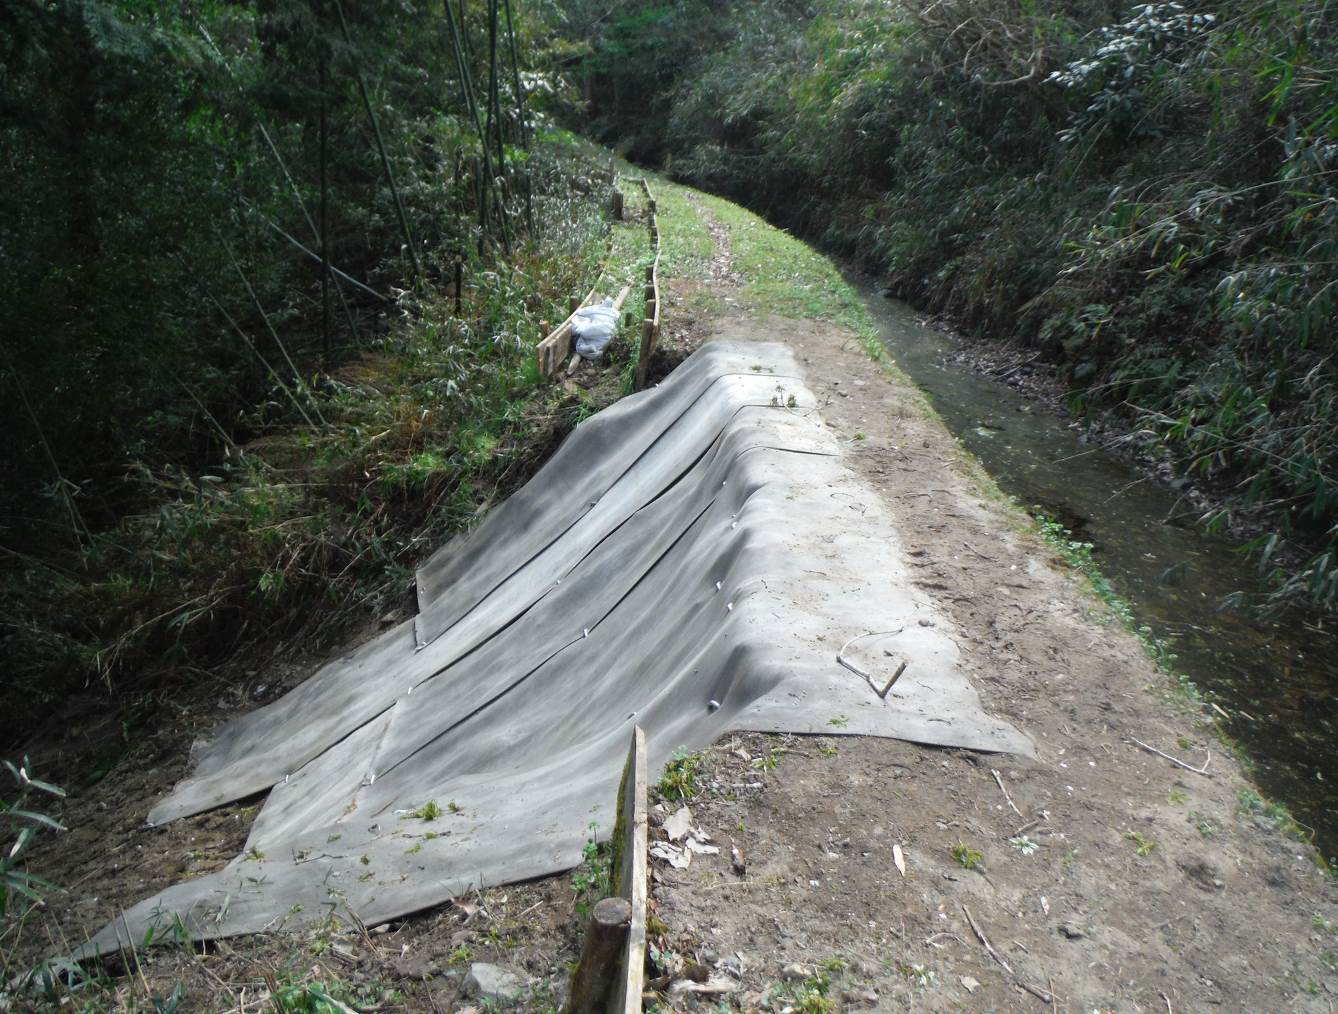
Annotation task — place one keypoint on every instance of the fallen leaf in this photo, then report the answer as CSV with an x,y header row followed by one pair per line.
x,y
969,984
709,987
673,855
676,825
899,859
469,908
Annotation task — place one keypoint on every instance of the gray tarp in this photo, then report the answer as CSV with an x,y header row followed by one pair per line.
x,y
690,560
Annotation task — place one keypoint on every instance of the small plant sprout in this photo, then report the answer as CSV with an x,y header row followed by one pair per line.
x,y
1143,844
679,780
967,857
430,810
1023,844
18,826
922,975
769,760
593,879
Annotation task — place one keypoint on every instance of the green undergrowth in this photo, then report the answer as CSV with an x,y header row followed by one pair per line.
x,y
306,521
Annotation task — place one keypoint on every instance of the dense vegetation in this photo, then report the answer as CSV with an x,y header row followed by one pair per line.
x,y
207,437
1146,194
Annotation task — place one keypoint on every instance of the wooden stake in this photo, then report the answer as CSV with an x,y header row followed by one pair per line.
x,y
631,873
593,982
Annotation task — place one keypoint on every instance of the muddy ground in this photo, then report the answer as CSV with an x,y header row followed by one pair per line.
x,y
1099,876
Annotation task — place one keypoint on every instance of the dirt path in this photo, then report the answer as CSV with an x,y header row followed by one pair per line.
x,y
1099,873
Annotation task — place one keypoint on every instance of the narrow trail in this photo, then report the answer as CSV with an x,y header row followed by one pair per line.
x,y
722,273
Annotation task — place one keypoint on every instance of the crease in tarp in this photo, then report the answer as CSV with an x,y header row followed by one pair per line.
x,y
586,633
709,598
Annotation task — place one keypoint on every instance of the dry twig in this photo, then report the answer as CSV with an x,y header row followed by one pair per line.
x,y
1035,991
999,781
1176,761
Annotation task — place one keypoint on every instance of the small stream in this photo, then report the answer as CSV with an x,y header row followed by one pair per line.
x,y
1275,679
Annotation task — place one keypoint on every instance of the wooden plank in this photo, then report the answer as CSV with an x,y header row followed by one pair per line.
x,y
555,348
631,874
552,350
567,346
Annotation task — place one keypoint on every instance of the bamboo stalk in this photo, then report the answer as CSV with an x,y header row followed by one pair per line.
x,y
324,209
297,374
483,182
274,374
78,529
381,149
292,185
523,120
495,119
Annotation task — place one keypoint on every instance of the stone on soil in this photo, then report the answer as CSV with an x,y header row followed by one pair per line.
x,y
489,982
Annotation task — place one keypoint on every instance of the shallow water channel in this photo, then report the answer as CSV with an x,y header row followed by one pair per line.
x,y
1274,679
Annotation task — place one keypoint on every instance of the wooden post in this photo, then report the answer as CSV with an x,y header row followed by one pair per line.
x,y
631,873
616,205
596,977
643,357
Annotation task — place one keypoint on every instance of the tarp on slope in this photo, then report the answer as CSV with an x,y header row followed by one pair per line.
x,y
690,560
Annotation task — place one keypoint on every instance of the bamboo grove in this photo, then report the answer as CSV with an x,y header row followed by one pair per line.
x,y
213,218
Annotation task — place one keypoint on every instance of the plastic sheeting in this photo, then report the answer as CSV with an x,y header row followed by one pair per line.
x,y
690,560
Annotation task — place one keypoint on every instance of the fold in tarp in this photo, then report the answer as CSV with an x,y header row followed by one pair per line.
x,y
690,560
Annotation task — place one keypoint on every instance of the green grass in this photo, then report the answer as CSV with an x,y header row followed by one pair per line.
x,y
428,811
786,276
1078,555
1143,845
686,245
679,781
967,858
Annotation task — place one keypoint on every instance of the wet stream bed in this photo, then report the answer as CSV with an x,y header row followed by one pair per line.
x,y
1274,678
